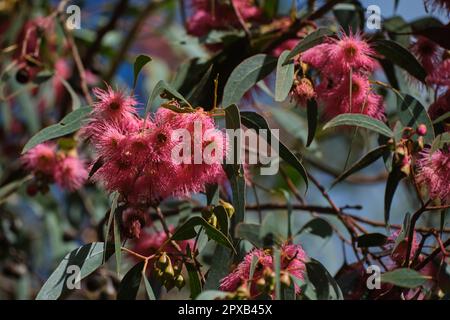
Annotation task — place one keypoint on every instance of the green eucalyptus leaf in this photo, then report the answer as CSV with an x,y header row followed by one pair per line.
x,y
359,120
187,231
311,40
405,278
87,258
245,76
139,63
402,57
365,161
371,240
69,124
129,286
319,227
284,77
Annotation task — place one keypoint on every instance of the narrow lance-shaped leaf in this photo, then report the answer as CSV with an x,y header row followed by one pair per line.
x,y
245,76
401,57
160,88
277,267
114,202
117,243
312,114
311,40
235,170
365,161
394,178
324,284
284,77
319,227
404,277
76,103
148,288
187,231
371,240
139,63
85,260
359,120
69,124
129,286
194,281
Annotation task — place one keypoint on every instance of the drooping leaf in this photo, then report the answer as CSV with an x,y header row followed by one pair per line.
x,y
76,103
160,88
87,258
359,120
187,231
394,178
235,170
412,114
311,40
371,240
253,264
284,77
148,288
200,88
194,281
277,267
319,227
114,202
401,57
404,231
212,194
405,278
245,76
69,124
117,244
139,63
223,221
312,114
325,287
129,286
350,16
365,161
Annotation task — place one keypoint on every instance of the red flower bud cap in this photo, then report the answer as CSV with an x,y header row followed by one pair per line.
x,y
422,130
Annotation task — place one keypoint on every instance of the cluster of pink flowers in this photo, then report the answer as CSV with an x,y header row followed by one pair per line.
x,y
345,65
293,260
137,153
217,15
427,52
68,171
434,173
